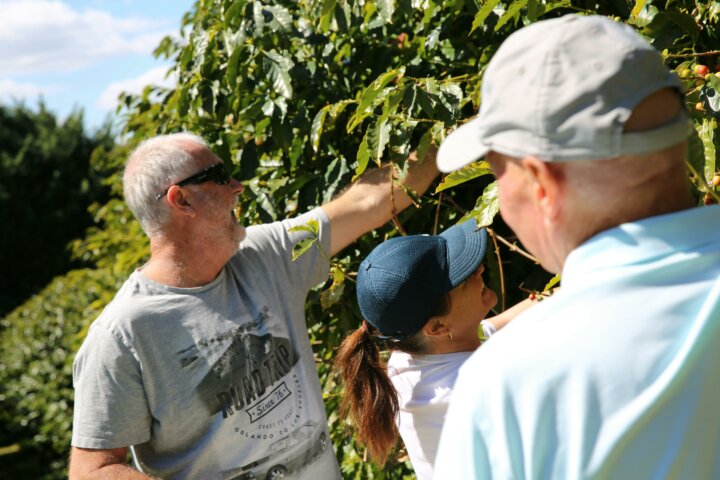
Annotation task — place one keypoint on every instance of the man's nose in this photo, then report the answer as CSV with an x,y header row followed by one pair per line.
x,y
237,186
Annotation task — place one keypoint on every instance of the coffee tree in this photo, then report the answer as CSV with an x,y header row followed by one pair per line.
x,y
300,97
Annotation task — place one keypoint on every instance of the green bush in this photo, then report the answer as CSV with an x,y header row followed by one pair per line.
x,y
38,348
46,185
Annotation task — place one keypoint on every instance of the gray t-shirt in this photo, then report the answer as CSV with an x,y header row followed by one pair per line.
x,y
217,381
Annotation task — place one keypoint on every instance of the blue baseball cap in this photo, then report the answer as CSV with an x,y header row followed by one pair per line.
x,y
401,284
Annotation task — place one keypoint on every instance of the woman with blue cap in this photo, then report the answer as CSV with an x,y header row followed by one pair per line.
x,y
424,299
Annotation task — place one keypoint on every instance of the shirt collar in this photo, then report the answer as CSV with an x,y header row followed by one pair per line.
x,y
643,241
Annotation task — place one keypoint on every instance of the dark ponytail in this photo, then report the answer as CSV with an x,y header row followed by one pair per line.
x,y
370,398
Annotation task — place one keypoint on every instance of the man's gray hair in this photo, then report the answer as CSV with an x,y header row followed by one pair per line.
x,y
150,169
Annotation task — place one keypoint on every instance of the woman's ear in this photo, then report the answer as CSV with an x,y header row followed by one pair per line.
x,y
436,327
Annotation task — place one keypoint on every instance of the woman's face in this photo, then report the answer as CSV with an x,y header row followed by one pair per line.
x,y
470,302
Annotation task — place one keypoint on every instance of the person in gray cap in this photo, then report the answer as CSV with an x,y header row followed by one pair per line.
x,y
424,299
585,129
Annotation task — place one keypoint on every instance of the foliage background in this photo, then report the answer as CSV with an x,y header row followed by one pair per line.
x,y
300,97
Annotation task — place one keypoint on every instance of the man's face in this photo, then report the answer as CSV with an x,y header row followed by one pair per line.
x,y
517,204
217,203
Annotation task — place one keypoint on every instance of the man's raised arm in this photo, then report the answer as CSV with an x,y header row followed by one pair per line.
x,y
370,202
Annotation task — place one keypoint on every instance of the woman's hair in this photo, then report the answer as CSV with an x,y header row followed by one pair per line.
x,y
370,398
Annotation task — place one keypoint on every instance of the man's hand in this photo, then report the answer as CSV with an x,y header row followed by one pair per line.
x,y
90,464
374,199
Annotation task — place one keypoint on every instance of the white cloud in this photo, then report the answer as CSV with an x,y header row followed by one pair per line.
x,y
11,91
157,76
48,35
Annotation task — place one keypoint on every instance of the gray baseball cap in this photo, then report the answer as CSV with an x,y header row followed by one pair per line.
x,y
562,90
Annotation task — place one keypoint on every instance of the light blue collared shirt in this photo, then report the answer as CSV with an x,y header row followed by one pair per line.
x,y
616,376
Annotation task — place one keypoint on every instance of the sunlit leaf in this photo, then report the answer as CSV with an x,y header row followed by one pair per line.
x,y
268,108
386,9
483,13
278,68
372,95
333,294
486,208
639,5
363,157
317,127
281,16
511,13
302,246
553,281
311,226
706,132
468,172
378,136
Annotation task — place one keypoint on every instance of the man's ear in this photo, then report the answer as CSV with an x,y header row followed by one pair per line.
x,y
546,179
436,327
179,201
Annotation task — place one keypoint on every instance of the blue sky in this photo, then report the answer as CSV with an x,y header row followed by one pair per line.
x,y
83,53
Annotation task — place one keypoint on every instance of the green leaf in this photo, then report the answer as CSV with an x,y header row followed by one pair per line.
x,y
302,246
312,226
639,5
686,22
268,108
706,132
534,10
483,13
281,17
424,144
371,96
486,208
278,68
512,12
363,156
552,282
333,294
233,66
318,123
317,127
258,18
468,172
282,106
386,9
378,136
326,15
646,15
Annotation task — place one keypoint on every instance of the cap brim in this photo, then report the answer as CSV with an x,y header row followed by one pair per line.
x,y
466,245
461,147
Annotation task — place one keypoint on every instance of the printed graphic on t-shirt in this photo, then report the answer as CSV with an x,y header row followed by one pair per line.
x,y
286,454
252,383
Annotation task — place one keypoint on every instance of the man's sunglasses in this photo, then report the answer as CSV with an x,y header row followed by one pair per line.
x,y
216,173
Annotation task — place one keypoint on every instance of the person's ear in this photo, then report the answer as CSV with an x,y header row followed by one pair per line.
x,y
179,201
436,327
546,183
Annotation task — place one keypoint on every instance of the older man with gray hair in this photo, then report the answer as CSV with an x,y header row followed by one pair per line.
x,y
618,374
201,365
